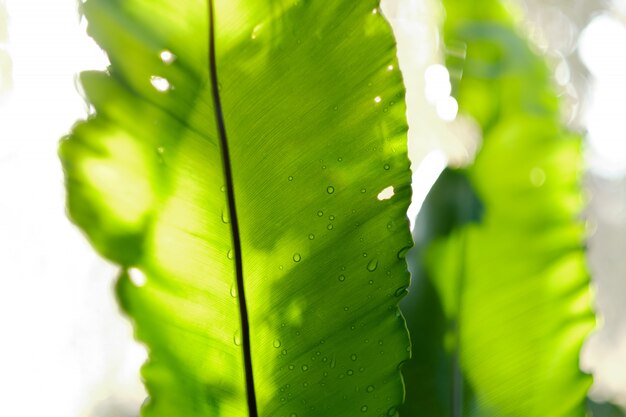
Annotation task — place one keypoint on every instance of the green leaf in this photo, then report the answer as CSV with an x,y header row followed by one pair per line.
x,y
271,265
500,304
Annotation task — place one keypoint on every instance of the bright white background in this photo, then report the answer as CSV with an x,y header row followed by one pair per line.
x,y
64,349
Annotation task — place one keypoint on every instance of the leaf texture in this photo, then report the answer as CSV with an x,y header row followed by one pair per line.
x,y
314,120
500,304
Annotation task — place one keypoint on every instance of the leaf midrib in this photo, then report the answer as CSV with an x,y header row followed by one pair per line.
x,y
234,221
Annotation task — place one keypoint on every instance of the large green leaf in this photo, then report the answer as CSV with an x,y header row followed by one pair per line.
x,y
500,304
232,168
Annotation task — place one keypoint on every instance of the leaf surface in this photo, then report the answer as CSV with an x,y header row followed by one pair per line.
x,y
500,304
287,220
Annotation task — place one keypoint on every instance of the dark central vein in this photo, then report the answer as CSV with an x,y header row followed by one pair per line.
x,y
234,222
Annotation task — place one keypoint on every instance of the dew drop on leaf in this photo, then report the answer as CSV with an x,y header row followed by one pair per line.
x,y
364,409
349,372
305,368
331,217
284,352
297,257
330,189
225,217
276,343
400,291
333,363
402,252
386,167
233,291
340,159
330,226
290,178
320,213
372,265
342,278
353,357
229,255
237,338
167,57
370,388
311,236
363,190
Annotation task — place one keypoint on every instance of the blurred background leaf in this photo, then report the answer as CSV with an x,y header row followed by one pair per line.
x,y
500,303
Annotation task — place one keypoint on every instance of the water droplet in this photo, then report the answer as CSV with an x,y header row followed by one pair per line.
x,y
323,166
342,278
223,188
167,57
330,226
346,308
229,255
390,68
276,343
311,236
159,83
392,412
340,159
400,291
280,267
330,189
137,277
237,338
371,281
160,150
293,415
331,217
402,252
322,342
225,217
353,357
363,190
284,352
291,367
335,108
377,99
349,372
305,368
297,257
537,177
372,265
233,291
387,166
333,363
370,388
320,213
364,409
290,178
